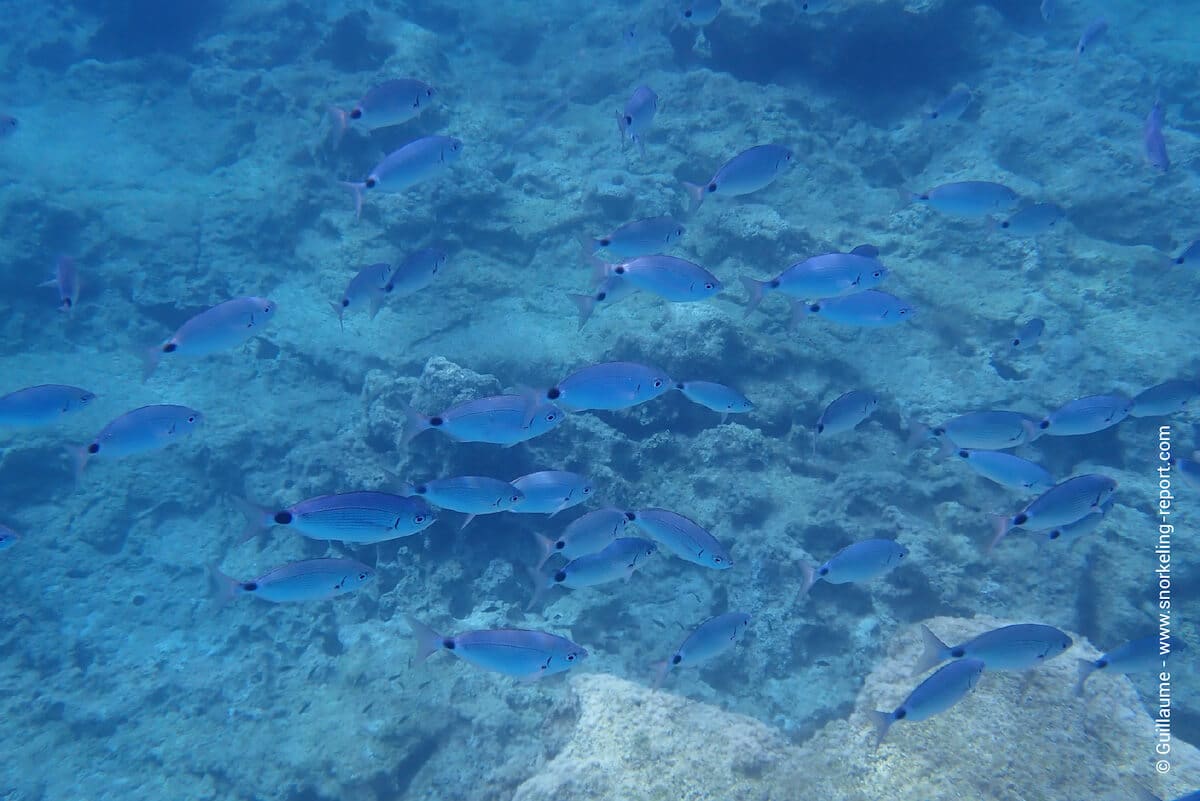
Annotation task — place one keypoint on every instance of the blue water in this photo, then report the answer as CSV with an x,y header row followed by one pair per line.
x,y
183,154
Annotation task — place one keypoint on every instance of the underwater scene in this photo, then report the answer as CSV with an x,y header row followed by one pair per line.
x,y
645,400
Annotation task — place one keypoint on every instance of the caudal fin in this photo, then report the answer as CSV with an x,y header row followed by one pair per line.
x,y
918,435
428,640
340,311
258,518
755,289
414,423
340,123
586,304
696,194
79,459
547,549
934,653
661,669
810,578
1001,525
882,721
1086,668
150,358
225,589
357,189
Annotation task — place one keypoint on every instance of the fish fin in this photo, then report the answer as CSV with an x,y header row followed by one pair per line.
x,y
946,449
621,129
586,304
1086,668
355,187
428,641
532,398
934,653
79,459
258,518
1140,793
809,572
547,546
1032,431
467,522
866,251
53,282
882,721
661,669
599,271
724,418
1000,528
150,358
539,586
227,589
340,124
695,194
799,312
588,243
340,311
918,435
414,424
376,301
755,289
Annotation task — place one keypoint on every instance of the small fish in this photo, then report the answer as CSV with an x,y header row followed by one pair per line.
x,y
608,293
587,534
8,125
1136,656
42,405
520,653
496,419
748,171
669,277
945,688
416,272
952,105
717,397
1086,415
700,12
638,116
1093,33
1033,220
1190,254
307,580
471,495
404,168
638,238
711,638
390,103
1007,470
1153,143
682,537
1048,9
859,561
618,560
969,198
549,492
222,327
829,275
1016,647
8,537
1061,505
361,518
366,288
1085,525
844,413
1169,397
871,308
608,386
148,428
66,281
1027,336
985,430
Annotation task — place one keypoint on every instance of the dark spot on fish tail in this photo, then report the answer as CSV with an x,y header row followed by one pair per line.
x,y
628,120
1044,425
370,183
958,653
900,714
1055,534
560,576
1179,260
687,14
815,308
356,114
923,197
345,302
675,660
283,518
679,386
937,432
964,454
1101,663
630,516
421,489
67,303
774,284
554,393
436,421
249,586
822,571
558,546
1016,343
619,269
1020,519
170,347
820,428
933,115
448,643
605,242
94,448
601,295
712,187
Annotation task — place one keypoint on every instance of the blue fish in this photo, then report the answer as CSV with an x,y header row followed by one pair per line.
x,y
307,580
1136,656
669,277
638,238
224,326
682,537
389,103
1093,33
65,280
1085,525
1016,647
1027,337
8,537
1007,470
402,169
748,171
638,117
860,561
844,414
497,419
618,560
952,106
868,309
983,430
1062,504
366,288
587,534
1033,220
361,518
609,386
1153,143
471,495
42,405
416,272
523,654
828,275
945,688
968,198
549,492
1169,397
142,430
711,638
717,397
1190,255
1086,415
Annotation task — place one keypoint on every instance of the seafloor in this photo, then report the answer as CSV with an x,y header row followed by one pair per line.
x,y
180,153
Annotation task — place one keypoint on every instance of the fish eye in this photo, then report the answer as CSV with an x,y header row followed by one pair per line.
x,y
419,519
708,285
570,657
191,418
877,274
717,560
550,418
586,490
363,576
514,498
658,383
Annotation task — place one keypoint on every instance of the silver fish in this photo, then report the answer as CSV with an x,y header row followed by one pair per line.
x,y
587,534
471,495
8,537
618,560
608,386
222,327
1093,33
828,275
390,103
1086,415
860,561
416,272
497,419
717,397
844,413
366,288
1166,398
1153,143
1033,220
871,308
1145,655
748,171
66,281
148,428
1067,534
1027,336
669,277
682,537
42,405
638,116
404,168
1007,470
638,238
549,492
968,198
1016,647
361,518
520,653
952,105
984,430
711,638
1062,504
307,580
945,688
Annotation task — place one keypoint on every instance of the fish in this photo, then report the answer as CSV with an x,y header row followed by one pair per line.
x,y
608,293
222,327
586,534
638,116
945,688
859,561
360,518
496,419
1085,525
519,653
8,537
1169,397
710,639
968,198
365,288
669,277
682,537
1062,504
1016,647
416,272
844,413
66,280
148,428
983,430
871,308
749,171
828,275
1027,336
389,103
1153,143
471,495
952,105
1190,254
700,12
1007,470
1086,415
717,397
406,167
8,125
306,580
618,560
42,405
608,386
638,237
1093,33
549,492
1143,655
1033,220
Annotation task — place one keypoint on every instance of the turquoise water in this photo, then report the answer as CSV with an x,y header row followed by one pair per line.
x,y
183,155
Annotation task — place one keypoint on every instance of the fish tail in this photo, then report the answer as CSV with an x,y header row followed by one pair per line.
x,y
882,721
586,304
695,196
428,641
661,669
340,123
918,435
587,243
934,653
810,578
946,449
79,459
547,550
150,358
532,398
621,128
414,424
356,188
258,518
1086,668
540,585
1032,431
339,310
755,289
799,312
227,588
467,522
375,303
1000,528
